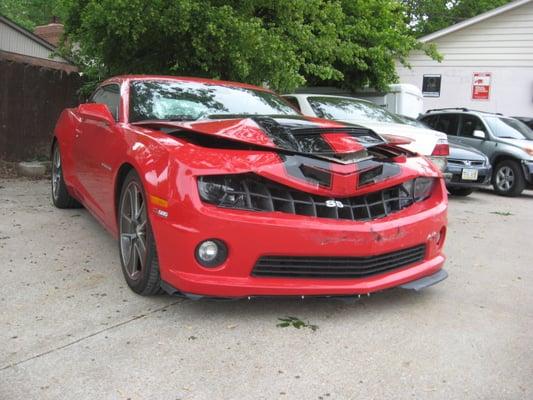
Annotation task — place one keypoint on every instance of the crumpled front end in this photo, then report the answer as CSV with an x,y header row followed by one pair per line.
x,y
258,222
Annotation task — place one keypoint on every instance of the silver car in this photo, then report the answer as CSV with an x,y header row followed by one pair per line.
x,y
507,142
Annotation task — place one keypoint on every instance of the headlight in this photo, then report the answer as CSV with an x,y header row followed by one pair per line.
x,y
423,188
222,191
416,190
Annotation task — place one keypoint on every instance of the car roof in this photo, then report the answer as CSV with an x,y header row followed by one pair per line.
x,y
129,78
461,111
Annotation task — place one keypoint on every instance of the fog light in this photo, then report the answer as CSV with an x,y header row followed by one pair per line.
x,y
211,253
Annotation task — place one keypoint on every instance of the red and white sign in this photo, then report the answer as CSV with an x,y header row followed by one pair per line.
x,y
481,86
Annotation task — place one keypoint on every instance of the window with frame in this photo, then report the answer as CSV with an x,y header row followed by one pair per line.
x,y
448,123
470,124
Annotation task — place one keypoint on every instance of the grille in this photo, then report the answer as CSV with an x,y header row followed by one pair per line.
x,y
253,193
337,267
465,162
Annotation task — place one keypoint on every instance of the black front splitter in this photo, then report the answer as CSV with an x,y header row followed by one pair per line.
x,y
416,285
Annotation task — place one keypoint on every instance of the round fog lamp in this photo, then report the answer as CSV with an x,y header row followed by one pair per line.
x,y
211,253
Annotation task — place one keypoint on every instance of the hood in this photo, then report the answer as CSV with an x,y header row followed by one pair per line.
x,y
459,152
515,142
296,134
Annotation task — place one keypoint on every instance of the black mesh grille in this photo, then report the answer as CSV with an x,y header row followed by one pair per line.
x,y
253,193
337,267
466,163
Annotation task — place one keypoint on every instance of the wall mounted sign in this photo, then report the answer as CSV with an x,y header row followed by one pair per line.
x,y
481,85
431,85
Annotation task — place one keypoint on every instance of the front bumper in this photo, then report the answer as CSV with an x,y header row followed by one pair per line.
x,y
454,177
251,235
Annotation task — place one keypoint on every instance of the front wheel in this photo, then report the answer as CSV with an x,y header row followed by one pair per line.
x,y
138,254
460,191
508,178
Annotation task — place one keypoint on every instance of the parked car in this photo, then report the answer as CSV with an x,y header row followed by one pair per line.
x,y
526,120
222,189
424,141
506,141
467,168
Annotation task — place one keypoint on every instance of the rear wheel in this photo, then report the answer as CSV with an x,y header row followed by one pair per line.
x,y
138,254
508,178
460,191
60,196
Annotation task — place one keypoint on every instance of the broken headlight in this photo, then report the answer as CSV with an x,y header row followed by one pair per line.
x,y
223,191
416,190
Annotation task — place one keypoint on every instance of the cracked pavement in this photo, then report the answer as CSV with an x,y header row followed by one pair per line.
x,y
71,329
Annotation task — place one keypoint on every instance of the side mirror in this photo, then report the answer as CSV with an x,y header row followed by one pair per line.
x,y
479,134
96,111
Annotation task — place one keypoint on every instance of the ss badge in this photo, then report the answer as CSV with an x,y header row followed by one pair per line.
x,y
334,203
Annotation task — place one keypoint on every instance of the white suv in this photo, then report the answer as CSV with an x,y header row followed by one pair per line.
x,y
426,142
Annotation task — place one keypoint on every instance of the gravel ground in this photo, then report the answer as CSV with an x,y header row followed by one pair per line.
x,y
71,329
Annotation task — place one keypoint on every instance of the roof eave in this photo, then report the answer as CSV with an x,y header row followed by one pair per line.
x,y
473,20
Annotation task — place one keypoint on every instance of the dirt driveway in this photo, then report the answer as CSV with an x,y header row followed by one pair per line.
x,y
71,329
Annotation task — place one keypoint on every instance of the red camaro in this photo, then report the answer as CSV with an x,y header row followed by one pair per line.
x,y
222,189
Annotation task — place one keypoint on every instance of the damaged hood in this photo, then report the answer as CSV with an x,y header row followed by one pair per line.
x,y
296,134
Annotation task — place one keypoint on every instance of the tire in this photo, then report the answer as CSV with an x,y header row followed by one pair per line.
x,y
60,195
138,254
508,178
460,191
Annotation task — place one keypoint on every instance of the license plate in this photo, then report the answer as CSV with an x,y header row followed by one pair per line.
x,y
469,174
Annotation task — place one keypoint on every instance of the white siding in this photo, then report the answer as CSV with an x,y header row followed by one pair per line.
x,y
502,45
15,42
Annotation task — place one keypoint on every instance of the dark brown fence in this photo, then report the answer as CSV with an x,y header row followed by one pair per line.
x,y
31,99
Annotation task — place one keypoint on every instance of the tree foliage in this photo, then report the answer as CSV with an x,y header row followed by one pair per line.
x,y
427,16
30,13
281,43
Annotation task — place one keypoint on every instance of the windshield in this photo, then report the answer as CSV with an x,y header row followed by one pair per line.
x,y
509,128
342,108
187,101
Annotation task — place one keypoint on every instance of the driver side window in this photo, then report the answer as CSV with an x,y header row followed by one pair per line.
x,y
470,124
110,96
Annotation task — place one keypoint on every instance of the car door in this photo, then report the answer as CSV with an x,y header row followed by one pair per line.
x,y
470,123
95,143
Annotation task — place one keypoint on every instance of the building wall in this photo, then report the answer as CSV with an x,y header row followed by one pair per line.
x,y
14,41
501,45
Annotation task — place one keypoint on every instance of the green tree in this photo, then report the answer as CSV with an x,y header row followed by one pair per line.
x,y
427,16
281,43
30,13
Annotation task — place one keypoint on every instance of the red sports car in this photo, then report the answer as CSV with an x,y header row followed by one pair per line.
x,y
222,189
